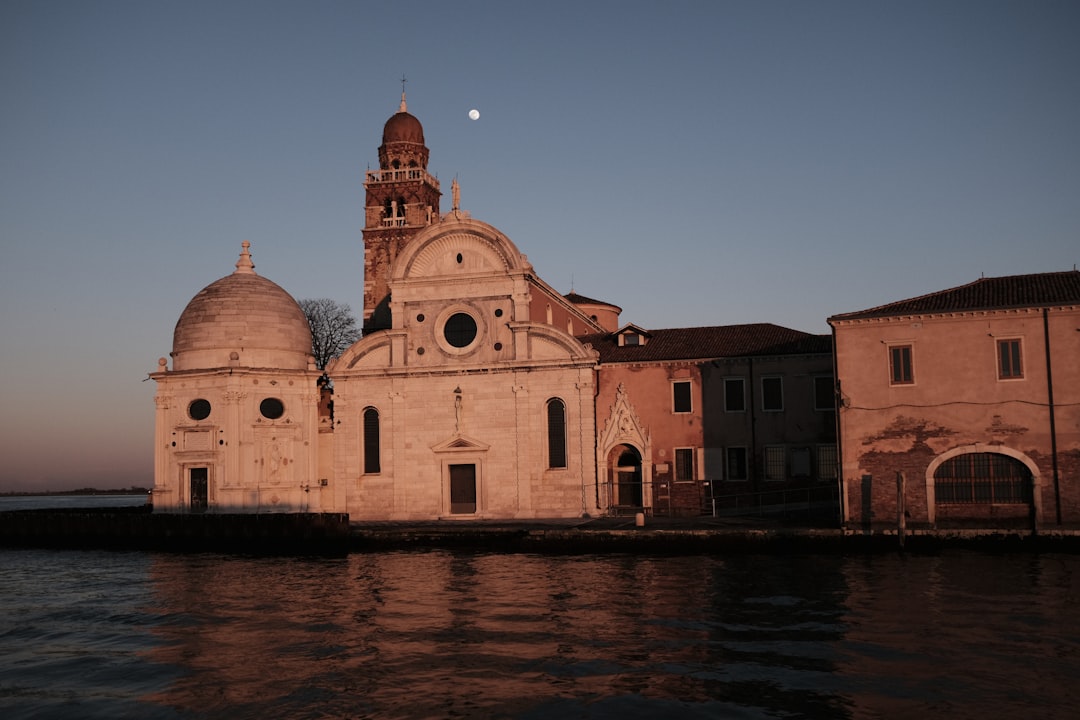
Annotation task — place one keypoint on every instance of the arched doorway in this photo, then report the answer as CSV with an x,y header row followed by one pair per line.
x,y
973,483
626,478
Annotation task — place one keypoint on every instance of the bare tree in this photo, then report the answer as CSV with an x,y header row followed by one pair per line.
x,y
333,328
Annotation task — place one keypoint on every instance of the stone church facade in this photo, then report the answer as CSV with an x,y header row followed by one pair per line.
x,y
477,390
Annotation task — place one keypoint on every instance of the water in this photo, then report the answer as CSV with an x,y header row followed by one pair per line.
x,y
438,634
71,502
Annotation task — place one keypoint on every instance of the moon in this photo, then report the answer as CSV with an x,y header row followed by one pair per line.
x,y
474,114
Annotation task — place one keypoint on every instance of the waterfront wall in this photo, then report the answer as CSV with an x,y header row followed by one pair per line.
x,y
137,528
332,533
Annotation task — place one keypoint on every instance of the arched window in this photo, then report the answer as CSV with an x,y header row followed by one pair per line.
x,y
982,478
371,440
556,427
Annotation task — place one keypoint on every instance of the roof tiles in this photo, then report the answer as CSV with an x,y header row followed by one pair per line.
x,y
999,293
702,343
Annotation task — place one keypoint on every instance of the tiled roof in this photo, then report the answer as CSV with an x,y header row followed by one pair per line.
x,y
705,343
578,299
1000,293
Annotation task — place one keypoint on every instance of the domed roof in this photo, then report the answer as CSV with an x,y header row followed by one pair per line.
x,y
242,320
402,127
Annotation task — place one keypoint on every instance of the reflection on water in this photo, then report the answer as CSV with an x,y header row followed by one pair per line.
x,y
437,634
964,635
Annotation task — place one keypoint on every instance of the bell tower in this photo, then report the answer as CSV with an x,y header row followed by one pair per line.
x,y
401,200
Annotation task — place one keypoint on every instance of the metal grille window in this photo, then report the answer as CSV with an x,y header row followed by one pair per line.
x,y
826,462
775,463
556,421
371,441
684,464
1009,366
989,478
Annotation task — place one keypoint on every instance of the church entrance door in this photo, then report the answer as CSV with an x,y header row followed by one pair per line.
x,y
462,489
628,490
199,489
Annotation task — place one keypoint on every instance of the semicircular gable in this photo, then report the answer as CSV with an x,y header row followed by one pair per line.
x,y
551,343
457,247
370,351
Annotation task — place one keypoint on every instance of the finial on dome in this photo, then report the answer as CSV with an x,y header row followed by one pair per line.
x,y
244,264
403,108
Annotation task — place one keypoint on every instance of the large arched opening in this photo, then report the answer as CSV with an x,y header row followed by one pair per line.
x,y
979,481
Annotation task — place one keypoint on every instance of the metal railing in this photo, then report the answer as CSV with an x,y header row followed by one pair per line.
x,y
786,502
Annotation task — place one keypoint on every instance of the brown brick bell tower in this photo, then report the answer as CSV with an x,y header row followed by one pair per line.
x,y
402,199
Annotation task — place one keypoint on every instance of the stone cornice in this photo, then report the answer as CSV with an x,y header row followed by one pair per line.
x,y
952,315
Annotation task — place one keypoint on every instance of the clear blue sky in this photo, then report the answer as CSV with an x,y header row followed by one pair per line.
x,y
697,163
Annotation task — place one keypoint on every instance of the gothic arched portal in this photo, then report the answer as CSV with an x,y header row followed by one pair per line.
x,y
626,478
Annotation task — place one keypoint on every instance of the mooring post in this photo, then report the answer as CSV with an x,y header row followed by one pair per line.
x,y
901,514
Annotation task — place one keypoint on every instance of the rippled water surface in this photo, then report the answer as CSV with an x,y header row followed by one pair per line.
x,y
438,634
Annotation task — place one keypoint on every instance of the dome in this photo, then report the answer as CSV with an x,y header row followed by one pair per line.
x,y
403,127
244,320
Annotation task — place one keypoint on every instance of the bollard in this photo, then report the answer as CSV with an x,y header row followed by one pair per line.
x,y
639,520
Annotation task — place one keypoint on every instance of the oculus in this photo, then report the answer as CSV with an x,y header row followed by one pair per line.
x,y
271,408
460,330
199,409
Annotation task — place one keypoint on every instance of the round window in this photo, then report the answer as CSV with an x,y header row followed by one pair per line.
x,y
460,330
199,409
271,408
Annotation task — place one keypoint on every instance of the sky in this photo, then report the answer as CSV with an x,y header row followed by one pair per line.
x,y
696,163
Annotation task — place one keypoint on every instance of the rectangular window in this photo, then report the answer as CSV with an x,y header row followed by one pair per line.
x,y
824,393
736,463
900,367
734,395
714,463
680,392
684,464
772,394
775,463
800,462
1009,366
826,462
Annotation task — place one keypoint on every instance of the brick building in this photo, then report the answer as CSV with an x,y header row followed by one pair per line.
x,y
689,415
973,394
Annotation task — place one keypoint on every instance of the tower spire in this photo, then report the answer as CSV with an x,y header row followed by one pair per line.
x,y
403,108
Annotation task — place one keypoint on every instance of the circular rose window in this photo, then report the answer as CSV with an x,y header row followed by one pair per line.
x,y
271,408
460,330
199,409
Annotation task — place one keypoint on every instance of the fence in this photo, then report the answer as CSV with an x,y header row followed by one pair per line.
x,y
817,500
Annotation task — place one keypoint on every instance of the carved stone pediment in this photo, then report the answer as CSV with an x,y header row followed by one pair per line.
x,y
623,426
460,443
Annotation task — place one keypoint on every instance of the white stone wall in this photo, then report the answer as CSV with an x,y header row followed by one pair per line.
x,y
501,427
483,403
254,464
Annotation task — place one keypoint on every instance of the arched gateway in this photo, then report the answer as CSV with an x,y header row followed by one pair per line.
x,y
977,480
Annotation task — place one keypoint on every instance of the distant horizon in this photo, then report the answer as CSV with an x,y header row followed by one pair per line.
x,y
132,490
